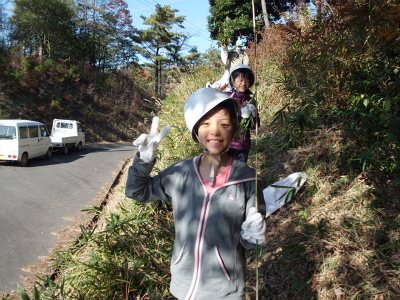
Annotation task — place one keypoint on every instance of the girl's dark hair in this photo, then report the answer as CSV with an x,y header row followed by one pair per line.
x,y
246,74
232,108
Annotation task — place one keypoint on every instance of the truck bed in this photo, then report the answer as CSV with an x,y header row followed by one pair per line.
x,y
58,139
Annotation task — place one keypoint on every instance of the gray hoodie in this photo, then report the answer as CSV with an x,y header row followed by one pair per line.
x,y
208,260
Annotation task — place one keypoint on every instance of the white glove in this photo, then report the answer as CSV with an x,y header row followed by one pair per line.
x,y
253,228
148,143
248,110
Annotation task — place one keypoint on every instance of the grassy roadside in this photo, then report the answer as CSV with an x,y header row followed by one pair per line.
x,y
326,110
326,244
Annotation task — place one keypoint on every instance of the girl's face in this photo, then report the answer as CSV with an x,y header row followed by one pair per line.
x,y
242,83
215,130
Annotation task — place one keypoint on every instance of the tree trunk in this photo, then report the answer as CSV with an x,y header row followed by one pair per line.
x,y
156,71
160,80
321,6
48,47
318,7
300,16
265,14
42,47
156,78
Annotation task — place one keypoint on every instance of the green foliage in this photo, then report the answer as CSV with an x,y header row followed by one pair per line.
x,y
48,65
55,103
347,73
125,259
162,41
27,65
3,115
375,132
231,19
73,72
212,59
99,33
119,35
339,76
44,27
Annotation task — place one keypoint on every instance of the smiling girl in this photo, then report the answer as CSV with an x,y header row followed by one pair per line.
x,y
213,198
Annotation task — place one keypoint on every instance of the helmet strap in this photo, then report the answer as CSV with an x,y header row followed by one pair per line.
x,y
214,162
211,177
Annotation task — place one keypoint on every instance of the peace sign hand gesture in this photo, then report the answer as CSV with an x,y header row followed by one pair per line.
x,y
148,143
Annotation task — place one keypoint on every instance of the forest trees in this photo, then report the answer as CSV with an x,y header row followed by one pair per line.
x,y
99,34
105,32
95,32
231,19
161,45
43,27
3,25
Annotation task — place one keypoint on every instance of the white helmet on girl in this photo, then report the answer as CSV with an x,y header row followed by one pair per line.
x,y
241,68
201,102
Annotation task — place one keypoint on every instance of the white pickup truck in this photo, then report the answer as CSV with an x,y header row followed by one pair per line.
x,y
67,135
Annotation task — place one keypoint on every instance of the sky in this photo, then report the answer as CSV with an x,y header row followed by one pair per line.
x,y
195,11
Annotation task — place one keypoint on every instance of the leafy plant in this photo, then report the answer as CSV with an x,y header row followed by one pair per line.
x,y
125,258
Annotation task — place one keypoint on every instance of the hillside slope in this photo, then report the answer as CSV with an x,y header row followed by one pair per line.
x,y
110,105
328,96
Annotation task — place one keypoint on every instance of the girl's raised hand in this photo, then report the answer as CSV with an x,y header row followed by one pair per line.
x,y
147,144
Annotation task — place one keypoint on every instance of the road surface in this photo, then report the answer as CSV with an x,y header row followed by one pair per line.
x,y
37,201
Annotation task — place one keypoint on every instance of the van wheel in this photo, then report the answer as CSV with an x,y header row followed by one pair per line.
x,y
79,147
49,153
66,149
24,160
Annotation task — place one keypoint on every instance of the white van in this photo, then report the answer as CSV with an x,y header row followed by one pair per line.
x,y
21,140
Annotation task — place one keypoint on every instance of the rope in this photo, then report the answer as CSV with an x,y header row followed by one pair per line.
x,y
255,89
256,139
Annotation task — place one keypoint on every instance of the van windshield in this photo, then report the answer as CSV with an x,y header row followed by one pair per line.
x,y
7,132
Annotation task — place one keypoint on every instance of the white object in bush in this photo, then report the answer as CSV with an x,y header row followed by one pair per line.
x,y
281,192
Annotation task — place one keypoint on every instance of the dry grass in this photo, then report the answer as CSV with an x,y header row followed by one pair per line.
x,y
339,237
324,244
327,243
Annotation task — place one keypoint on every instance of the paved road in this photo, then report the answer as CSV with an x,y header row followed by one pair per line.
x,y
36,201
